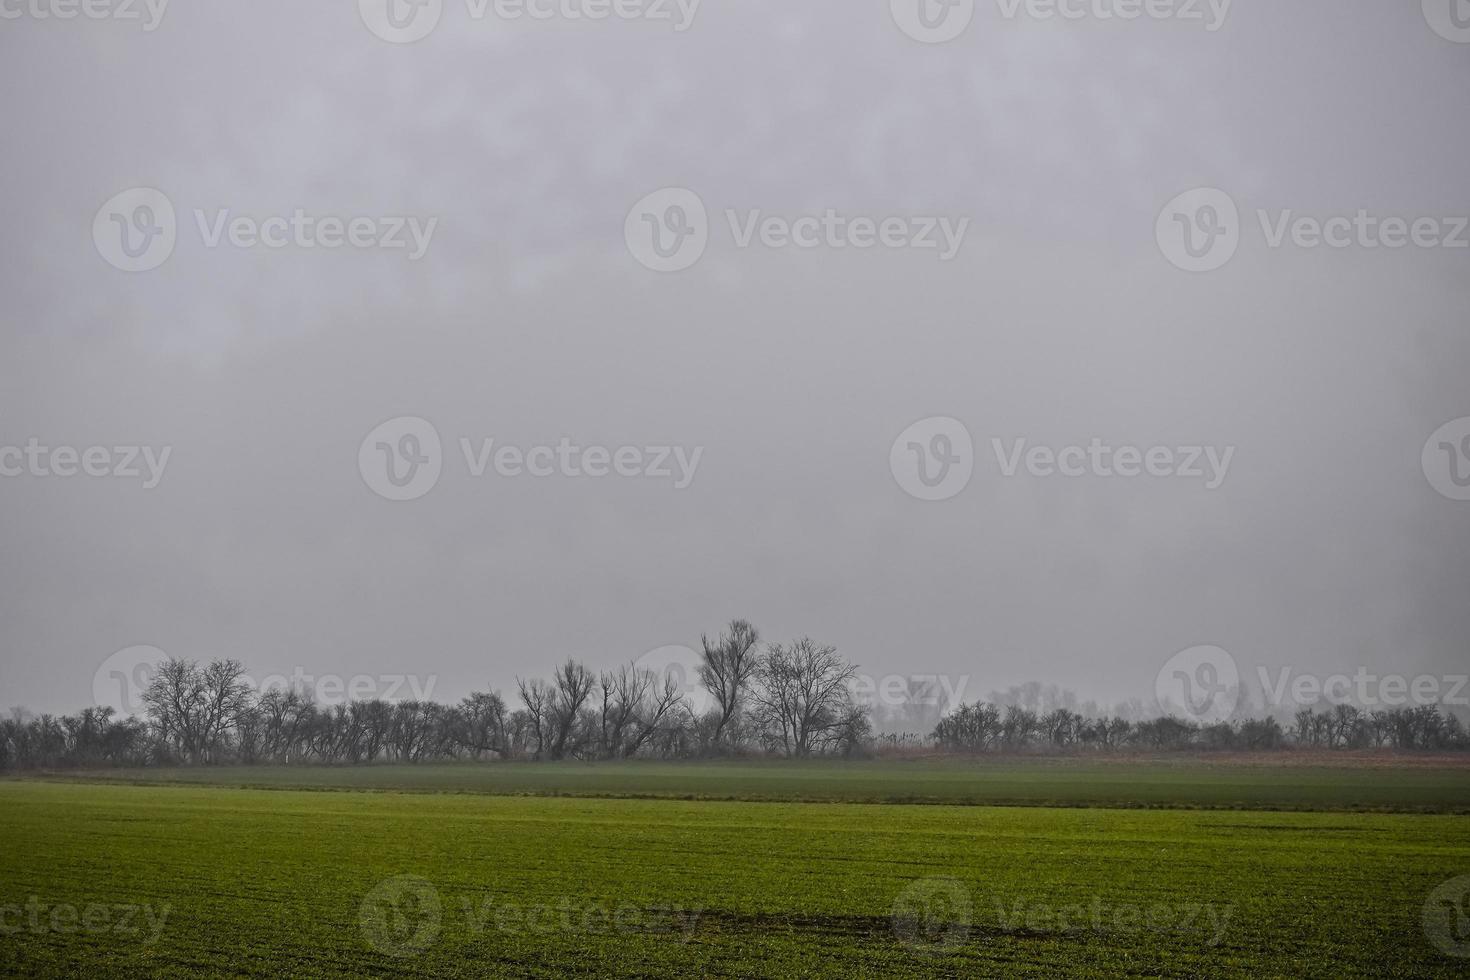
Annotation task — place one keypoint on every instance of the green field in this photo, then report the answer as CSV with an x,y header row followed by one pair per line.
x,y
227,882
1183,783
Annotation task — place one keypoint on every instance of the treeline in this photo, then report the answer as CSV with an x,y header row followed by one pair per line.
x,y
985,727
791,700
794,700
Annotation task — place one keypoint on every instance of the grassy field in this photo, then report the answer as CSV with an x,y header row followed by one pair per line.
x,y
127,880
1264,783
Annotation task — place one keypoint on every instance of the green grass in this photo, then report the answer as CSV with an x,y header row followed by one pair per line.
x,y
1182,782
273,883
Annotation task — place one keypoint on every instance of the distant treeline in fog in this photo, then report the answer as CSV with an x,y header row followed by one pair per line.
x,y
786,700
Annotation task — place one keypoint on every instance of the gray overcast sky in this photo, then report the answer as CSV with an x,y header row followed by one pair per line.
x,y
528,319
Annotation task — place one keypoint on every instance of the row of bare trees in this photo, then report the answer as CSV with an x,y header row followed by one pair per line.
x,y
794,700
986,727
782,699
1347,726
786,699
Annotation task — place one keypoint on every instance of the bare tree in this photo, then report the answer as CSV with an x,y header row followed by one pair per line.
x,y
622,692
372,721
174,701
537,696
726,670
658,707
284,716
803,691
572,686
479,724
225,696
417,732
